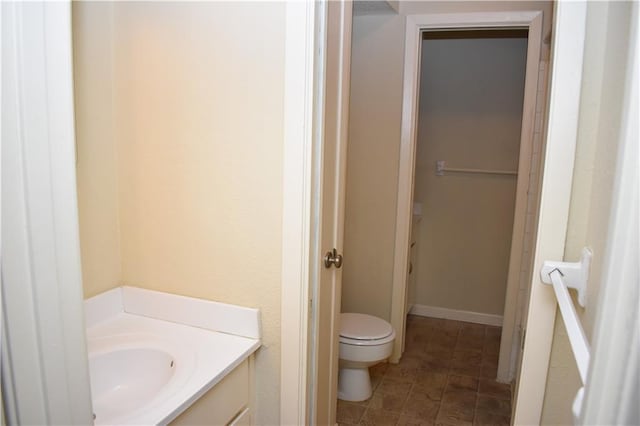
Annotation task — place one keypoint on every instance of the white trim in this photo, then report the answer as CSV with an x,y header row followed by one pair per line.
x,y
510,337
456,314
564,103
315,174
333,47
414,25
614,380
191,311
3,420
296,208
44,361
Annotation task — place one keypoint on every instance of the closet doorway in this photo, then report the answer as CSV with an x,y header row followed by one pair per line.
x,y
466,162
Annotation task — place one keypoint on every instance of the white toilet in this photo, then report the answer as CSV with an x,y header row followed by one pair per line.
x,y
365,340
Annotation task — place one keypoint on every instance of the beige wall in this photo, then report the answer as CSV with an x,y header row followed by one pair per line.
x,y
374,143
372,160
198,129
605,61
470,116
96,153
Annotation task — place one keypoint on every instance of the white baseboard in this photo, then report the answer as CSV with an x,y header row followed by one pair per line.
x,y
454,314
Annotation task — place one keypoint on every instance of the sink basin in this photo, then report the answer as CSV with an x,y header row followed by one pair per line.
x,y
124,379
131,372
152,355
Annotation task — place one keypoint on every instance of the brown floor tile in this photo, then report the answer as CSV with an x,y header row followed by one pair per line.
x,y
492,346
439,323
453,416
445,330
446,377
410,360
426,393
379,369
489,358
462,402
349,413
394,386
426,377
450,325
375,382
375,417
466,363
435,364
418,340
388,402
461,383
417,350
417,407
443,421
441,343
494,405
473,358
459,367
493,388
488,371
407,369
471,343
494,331
485,418
437,354
472,329
412,421
418,334
431,384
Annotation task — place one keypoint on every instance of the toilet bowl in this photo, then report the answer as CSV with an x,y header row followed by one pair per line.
x,y
365,340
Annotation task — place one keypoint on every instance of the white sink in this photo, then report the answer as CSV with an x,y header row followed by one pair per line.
x,y
152,355
125,379
132,370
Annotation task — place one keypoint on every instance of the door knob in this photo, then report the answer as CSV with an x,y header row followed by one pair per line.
x,y
332,258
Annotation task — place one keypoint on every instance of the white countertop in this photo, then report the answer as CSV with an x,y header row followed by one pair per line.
x,y
126,318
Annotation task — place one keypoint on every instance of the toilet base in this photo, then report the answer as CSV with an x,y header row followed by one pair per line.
x,y
354,384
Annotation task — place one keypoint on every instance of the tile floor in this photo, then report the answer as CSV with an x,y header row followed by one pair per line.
x,y
446,377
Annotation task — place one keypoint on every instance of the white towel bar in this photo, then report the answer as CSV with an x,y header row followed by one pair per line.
x,y
441,167
577,338
562,276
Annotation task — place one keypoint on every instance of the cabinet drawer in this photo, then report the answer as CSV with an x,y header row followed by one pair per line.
x,y
243,419
222,403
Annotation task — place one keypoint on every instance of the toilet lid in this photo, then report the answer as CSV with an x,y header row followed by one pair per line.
x,y
364,327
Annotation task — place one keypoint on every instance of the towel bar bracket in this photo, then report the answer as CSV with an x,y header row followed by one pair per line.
x,y
562,276
574,274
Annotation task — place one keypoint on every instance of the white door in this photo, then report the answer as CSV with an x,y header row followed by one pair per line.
x,y
611,388
333,163
564,100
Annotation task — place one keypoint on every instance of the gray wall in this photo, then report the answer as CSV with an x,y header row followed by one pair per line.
x,y
470,115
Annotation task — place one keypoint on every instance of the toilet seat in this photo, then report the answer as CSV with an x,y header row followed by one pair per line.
x,y
364,330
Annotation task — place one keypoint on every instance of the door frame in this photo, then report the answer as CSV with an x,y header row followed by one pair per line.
x,y
415,25
555,194
45,371
298,200
329,159
305,64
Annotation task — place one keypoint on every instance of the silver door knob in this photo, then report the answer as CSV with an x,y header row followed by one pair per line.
x,y
332,258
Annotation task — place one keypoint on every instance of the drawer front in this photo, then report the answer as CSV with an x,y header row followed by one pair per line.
x,y
243,419
223,403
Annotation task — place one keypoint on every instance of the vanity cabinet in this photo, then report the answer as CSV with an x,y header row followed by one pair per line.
x,y
228,403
